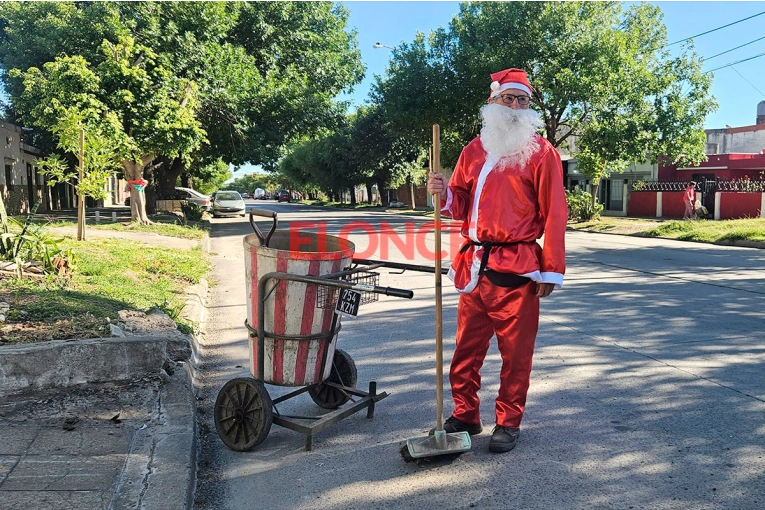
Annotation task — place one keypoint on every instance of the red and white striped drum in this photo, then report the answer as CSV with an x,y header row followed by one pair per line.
x,y
290,310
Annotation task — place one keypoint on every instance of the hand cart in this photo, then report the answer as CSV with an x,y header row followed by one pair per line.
x,y
295,280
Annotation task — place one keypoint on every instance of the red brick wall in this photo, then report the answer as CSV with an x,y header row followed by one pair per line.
x,y
420,195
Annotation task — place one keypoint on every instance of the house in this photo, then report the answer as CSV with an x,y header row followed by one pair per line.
x,y
22,185
730,182
613,192
735,155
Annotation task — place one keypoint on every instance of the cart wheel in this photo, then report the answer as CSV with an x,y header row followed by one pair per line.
x,y
343,372
243,413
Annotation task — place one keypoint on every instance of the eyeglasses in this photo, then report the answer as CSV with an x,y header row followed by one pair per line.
x,y
509,98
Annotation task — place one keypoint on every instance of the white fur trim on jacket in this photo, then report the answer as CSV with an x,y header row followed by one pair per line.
x,y
449,198
491,161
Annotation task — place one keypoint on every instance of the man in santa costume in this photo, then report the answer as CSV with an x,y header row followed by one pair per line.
x,y
507,188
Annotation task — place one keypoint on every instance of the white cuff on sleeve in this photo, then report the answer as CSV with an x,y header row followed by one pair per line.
x,y
555,278
449,198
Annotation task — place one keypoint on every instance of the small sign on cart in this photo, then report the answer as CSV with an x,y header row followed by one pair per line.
x,y
348,302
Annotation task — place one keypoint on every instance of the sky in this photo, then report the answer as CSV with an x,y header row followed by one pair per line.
x,y
738,89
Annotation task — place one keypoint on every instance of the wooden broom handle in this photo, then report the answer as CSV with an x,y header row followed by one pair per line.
x,y
436,163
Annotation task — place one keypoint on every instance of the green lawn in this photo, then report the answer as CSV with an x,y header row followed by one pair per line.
x,y
109,274
708,231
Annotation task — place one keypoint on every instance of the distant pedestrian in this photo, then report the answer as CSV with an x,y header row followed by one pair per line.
x,y
689,198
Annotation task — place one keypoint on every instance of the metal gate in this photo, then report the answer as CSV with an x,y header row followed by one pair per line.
x,y
707,188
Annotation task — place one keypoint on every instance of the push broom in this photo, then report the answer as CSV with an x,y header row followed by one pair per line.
x,y
441,442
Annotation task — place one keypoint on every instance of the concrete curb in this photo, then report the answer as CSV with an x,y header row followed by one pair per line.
x,y
62,363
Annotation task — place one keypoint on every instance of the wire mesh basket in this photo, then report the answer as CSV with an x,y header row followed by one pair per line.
x,y
326,296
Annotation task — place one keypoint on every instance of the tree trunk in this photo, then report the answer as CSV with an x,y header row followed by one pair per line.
x,y
411,190
167,173
352,191
380,193
133,172
369,192
594,198
176,169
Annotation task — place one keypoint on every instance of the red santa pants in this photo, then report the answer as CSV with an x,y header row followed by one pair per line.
x,y
513,315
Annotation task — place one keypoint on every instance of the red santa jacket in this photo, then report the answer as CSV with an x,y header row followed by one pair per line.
x,y
510,204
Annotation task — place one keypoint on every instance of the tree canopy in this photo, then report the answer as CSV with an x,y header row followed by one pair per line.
x,y
261,73
602,77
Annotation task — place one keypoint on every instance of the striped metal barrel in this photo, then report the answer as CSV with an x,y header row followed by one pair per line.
x,y
291,310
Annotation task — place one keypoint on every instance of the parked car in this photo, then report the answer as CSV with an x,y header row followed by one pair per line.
x,y
193,197
282,196
190,195
228,202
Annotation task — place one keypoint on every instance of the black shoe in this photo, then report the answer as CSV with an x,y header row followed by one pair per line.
x,y
452,424
503,439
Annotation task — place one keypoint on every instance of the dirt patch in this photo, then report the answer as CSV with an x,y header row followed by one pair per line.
x,y
17,327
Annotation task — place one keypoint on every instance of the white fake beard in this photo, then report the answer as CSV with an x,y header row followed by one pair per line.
x,y
509,133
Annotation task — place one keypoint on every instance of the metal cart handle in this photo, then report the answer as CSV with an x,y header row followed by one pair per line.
x,y
267,214
399,265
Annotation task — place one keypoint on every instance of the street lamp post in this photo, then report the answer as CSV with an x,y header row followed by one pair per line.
x,y
381,45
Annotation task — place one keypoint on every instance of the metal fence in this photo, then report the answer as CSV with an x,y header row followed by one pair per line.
x,y
709,186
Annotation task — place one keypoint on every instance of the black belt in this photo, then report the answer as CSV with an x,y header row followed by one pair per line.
x,y
495,277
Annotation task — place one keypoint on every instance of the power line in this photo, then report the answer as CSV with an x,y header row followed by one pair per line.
x,y
734,63
732,49
716,29
750,83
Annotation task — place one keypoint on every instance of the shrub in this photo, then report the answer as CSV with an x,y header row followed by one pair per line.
x,y
192,212
31,242
581,206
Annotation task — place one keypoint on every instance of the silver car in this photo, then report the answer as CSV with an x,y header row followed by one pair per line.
x,y
193,197
227,202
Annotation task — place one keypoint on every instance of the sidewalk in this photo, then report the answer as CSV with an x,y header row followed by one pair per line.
x,y
100,446
101,423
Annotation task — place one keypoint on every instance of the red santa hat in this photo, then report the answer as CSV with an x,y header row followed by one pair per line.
x,y
510,79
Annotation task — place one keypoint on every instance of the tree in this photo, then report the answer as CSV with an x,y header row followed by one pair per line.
x,y
153,109
62,100
413,94
592,67
33,34
213,177
267,73
660,108
92,142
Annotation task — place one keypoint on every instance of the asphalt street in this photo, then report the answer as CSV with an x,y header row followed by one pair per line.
x,y
647,389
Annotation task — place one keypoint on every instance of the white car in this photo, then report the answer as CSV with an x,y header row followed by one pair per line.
x,y
227,202
193,197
